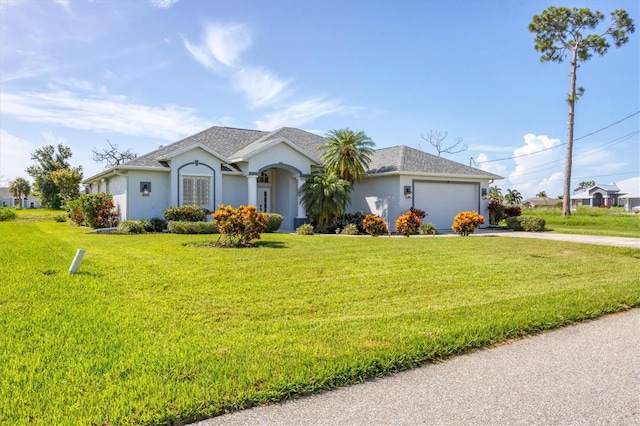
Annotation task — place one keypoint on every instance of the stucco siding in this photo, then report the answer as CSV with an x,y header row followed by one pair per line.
x,y
196,162
234,190
280,154
152,205
378,195
117,187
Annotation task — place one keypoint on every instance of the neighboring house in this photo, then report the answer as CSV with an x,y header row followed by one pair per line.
x,y
625,194
223,165
533,202
8,200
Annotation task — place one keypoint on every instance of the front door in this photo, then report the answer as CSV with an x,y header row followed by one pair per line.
x,y
264,200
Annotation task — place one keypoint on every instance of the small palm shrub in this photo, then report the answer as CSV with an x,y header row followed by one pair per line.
x,y
305,229
409,222
274,221
428,229
177,227
466,222
132,227
374,225
350,229
7,214
526,223
238,227
186,214
496,212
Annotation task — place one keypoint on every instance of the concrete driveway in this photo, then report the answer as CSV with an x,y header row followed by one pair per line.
x,y
585,374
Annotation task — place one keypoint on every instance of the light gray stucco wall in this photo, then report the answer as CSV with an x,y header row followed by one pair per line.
x,y
379,195
152,205
234,190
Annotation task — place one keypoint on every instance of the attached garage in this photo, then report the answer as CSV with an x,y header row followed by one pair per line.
x,y
443,200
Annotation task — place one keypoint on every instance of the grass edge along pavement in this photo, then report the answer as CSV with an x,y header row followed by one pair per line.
x,y
172,333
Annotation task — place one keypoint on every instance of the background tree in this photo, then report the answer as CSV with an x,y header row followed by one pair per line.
x,y
20,187
68,182
347,153
513,197
560,32
48,160
495,193
436,139
542,194
325,196
112,156
583,186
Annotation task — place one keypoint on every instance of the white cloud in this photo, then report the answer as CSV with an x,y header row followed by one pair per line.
x,y
259,85
103,113
221,46
493,167
539,166
71,83
163,4
303,112
15,156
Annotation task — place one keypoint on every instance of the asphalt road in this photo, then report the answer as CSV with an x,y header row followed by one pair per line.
x,y
586,374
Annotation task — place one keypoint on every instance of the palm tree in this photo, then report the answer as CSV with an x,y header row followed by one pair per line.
x,y
20,187
495,193
325,196
347,153
513,197
542,194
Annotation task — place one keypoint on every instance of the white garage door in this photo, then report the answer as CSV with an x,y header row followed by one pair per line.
x,y
444,200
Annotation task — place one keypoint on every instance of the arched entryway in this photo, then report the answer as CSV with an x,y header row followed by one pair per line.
x,y
597,200
277,192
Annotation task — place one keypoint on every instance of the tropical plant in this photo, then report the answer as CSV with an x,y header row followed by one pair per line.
x,y
347,153
409,222
93,210
542,194
132,227
560,31
350,229
68,183
428,229
325,196
511,211
495,193
274,221
7,214
239,227
182,227
305,229
583,186
526,223
496,211
374,225
466,222
513,197
20,187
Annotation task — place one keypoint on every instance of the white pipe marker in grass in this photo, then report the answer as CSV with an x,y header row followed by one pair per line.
x,y
76,261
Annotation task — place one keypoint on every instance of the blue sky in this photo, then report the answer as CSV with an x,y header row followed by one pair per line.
x,y
149,72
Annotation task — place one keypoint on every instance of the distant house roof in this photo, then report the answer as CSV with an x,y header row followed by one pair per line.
x,y
541,201
410,160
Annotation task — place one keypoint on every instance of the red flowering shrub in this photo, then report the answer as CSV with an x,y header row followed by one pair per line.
x,y
409,222
239,226
496,212
93,210
512,211
466,222
374,225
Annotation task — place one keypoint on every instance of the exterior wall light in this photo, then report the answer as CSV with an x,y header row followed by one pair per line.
x,y
145,188
407,191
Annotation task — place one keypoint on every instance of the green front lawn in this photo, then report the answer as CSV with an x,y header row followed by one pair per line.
x,y
613,222
154,329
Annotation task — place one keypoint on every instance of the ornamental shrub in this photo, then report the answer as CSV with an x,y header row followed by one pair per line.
x,y
466,222
350,229
305,229
428,229
274,220
409,222
512,211
238,227
93,210
156,224
7,214
60,218
374,225
132,227
186,214
496,212
176,227
526,223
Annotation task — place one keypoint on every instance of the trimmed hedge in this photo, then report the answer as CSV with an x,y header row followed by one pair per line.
x,y
7,214
185,214
526,223
181,227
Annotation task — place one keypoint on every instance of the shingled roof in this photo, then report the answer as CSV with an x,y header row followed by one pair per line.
x,y
410,160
